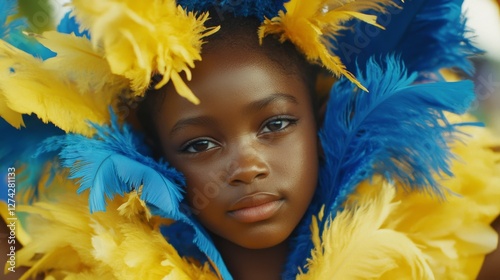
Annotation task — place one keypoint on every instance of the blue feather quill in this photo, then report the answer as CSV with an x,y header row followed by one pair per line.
x,y
397,130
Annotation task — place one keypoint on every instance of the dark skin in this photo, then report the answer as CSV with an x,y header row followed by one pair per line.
x,y
231,148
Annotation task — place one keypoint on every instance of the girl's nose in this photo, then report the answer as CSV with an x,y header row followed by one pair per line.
x,y
247,164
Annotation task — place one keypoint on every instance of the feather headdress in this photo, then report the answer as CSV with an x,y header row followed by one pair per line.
x,y
310,25
121,44
239,8
146,38
129,43
68,90
437,27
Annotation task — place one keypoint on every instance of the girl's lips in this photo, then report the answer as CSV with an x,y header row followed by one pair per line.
x,y
256,207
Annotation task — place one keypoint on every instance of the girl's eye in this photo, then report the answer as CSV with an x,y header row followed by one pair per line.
x,y
198,146
277,124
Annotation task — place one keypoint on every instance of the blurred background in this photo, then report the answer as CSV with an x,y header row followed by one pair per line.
x,y
484,20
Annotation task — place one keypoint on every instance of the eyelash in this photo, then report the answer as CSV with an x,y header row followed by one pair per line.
x,y
185,148
288,120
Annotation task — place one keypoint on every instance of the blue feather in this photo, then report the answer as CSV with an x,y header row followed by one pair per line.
x,y
11,31
7,9
427,34
17,149
203,241
181,235
69,25
111,163
239,8
114,162
397,130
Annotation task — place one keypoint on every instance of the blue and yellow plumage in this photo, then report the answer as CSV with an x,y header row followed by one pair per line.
x,y
388,154
310,25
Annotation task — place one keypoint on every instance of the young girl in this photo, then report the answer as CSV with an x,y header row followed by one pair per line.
x,y
255,112
262,195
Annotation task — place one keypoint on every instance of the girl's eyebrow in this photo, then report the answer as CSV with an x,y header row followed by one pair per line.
x,y
252,107
275,97
196,121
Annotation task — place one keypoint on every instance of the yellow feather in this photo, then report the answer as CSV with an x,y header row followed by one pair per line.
x,y
310,24
67,94
356,246
145,38
122,243
12,117
84,67
21,235
455,234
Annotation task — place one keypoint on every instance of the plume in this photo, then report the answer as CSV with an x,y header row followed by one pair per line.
x,y
145,38
7,24
12,28
355,245
310,25
69,25
397,130
427,34
17,149
456,234
243,8
110,163
68,90
122,243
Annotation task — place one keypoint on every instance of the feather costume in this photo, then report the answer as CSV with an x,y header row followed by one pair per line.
x,y
407,188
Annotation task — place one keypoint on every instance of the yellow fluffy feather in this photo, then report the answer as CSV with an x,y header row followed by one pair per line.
x,y
122,243
384,234
141,39
356,246
455,234
67,94
12,117
311,24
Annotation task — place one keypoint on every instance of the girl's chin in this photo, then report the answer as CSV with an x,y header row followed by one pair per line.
x,y
262,242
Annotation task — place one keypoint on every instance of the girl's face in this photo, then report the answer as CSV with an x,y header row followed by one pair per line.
x,y
248,150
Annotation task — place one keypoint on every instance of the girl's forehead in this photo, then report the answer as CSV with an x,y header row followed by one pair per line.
x,y
238,55
236,69
224,81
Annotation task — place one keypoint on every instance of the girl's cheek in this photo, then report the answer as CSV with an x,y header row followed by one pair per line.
x,y
204,188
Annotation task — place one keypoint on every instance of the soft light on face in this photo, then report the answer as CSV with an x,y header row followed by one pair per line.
x,y
248,150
